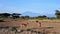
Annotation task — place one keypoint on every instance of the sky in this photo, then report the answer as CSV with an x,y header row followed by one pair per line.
x,y
43,7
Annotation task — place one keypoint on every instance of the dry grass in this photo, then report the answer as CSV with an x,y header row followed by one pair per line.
x,y
32,24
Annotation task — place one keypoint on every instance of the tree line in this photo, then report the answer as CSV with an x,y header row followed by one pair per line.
x,y
8,15
17,15
13,15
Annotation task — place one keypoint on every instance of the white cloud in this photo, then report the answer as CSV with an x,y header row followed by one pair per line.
x,y
16,10
22,10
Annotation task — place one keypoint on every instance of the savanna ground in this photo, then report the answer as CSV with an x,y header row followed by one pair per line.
x,y
31,26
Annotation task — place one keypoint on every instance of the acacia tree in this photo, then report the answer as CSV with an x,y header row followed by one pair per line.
x,y
15,15
42,16
5,15
26,17
57,13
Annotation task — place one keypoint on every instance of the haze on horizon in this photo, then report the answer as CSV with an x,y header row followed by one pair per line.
x,y
44,7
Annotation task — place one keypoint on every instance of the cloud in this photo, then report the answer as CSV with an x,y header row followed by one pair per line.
x,y
22,10
15,10
11,9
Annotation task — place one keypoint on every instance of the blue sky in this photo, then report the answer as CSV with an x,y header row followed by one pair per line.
x,y
43,7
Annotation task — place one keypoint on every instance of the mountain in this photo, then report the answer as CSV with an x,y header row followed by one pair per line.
x,y
30,14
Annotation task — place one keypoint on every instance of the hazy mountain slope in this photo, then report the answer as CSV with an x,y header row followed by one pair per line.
x,y
31,14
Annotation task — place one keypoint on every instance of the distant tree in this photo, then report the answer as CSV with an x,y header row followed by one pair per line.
x,y
25,17
22,17
57,13
42,16
15,15
6,15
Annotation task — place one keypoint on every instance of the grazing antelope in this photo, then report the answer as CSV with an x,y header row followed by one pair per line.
x,y
38,23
